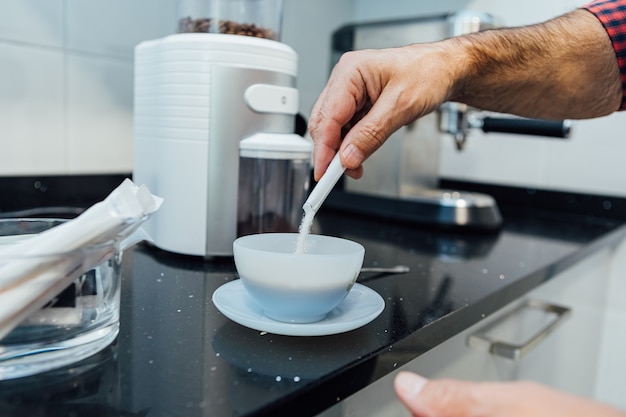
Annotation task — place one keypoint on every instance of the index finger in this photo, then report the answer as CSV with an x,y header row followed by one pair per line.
x,y
333,110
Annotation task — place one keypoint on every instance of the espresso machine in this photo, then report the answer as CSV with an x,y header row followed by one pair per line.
x,y
214,113
401,179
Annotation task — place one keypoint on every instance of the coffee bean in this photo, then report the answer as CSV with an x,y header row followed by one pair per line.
x,y
188,25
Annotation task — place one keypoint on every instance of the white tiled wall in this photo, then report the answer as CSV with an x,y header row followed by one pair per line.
x,y
32,22
66,82
31,109
112,28
98,113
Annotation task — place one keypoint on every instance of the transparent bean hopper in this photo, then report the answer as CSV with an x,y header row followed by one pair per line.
x,y
256,18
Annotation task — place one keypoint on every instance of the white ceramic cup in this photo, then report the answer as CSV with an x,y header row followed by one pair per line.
x,y
297,288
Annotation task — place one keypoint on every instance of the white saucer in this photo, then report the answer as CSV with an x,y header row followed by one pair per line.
x,y
360,306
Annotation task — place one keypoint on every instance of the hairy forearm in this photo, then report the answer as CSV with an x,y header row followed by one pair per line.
x,y
563,68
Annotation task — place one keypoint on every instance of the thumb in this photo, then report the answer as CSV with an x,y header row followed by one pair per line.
x,y
408,387
441,398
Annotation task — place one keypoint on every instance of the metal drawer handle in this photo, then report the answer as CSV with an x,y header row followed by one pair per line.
x,y
514,351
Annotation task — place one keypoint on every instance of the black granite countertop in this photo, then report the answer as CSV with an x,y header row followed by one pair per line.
x,y
177,355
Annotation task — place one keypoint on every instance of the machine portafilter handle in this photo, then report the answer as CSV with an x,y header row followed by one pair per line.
x,y
458,119
535,127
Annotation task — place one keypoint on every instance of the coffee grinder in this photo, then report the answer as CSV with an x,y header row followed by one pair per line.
x,y
215,107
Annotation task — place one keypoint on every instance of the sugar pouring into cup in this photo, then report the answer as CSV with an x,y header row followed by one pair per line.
x,y
334,171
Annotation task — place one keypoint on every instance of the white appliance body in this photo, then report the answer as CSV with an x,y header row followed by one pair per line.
x,y
196,97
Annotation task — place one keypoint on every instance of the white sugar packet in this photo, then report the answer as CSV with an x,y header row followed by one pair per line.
x,y
35,275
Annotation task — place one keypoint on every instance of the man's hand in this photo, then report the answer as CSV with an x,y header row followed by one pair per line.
x,y
454,398
370,95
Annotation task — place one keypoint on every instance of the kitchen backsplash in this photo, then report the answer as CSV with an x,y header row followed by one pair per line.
x,y
66,82
66,90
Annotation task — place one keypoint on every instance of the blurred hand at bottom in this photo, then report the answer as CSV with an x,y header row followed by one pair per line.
x,y
455,398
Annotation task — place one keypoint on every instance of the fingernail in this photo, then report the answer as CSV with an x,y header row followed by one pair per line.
x,y
351,156
410,384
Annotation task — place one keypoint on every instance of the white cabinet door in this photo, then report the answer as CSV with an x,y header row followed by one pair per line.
x,y
569,358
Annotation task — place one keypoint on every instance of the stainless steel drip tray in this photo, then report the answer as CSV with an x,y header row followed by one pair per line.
x,y
433,207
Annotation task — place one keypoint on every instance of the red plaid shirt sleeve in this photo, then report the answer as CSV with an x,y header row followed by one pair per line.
x,y
612,15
